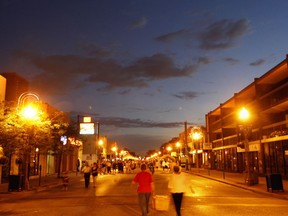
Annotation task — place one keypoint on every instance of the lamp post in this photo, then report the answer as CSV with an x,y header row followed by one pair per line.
x,y
114,149
178,146
169,149
196,136
30,114
244,116
100,151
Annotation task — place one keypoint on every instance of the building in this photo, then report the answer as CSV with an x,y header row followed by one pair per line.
x,y
267,148
60,157
15,86
2,98
2,88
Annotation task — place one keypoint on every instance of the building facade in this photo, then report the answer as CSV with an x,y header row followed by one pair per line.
x,y
266,98
2,88
15,86
40,161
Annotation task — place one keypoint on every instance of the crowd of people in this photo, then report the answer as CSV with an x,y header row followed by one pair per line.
x,y
143,179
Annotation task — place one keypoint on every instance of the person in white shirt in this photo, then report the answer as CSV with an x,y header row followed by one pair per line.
x,y
177,185
87,171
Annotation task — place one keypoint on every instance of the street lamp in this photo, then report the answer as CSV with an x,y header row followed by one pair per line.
x,y
244,116
114,149
196,136
178,145
169,149
30,114
100,149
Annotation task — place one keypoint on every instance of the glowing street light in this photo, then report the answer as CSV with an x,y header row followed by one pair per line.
x,y
244,114
31,114
169,148
244,117
178,145
114,149
196,136
100,142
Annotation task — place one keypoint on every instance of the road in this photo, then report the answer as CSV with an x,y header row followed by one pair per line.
x,y
115,196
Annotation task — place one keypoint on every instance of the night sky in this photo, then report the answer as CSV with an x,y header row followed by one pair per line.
x,y
141,67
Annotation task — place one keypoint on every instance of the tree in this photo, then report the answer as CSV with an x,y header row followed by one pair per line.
x,y
21,134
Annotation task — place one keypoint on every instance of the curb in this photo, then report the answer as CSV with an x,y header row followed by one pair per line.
x,y
285,197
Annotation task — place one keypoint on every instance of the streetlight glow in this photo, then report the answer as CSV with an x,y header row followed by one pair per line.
x,y
196,135
100,142
244,114
30,113
169,148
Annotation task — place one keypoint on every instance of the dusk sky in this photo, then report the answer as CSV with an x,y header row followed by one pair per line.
x,y
141,67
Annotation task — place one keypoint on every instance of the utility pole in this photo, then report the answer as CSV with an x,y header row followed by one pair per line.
x,y
186,145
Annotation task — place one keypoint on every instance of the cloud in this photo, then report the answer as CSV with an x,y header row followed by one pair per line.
x,y
187,95
172,36
139,143
223,34
61,73
94,50
204,60
137,123
120,122
139,23
231,60
257,62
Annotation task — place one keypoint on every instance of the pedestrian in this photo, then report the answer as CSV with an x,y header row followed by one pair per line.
x,y
151,167
77,166
65,181
94,171
163,165
176,184
145,188
108,167
87,171
114,167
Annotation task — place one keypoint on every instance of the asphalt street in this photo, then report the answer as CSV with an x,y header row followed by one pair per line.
x,y
114,195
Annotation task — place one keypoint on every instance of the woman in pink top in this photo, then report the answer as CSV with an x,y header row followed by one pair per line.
x,y
145,188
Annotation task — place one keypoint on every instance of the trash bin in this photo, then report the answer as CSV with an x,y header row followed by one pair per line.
x,y
16,182
274,182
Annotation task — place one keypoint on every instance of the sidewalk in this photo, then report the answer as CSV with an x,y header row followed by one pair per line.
x,y
43,183
237,179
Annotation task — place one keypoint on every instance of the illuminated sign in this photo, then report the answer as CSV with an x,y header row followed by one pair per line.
x,y
87,128
63,139
86,119
74,141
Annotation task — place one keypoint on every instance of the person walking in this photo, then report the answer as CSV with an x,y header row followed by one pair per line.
x,y
177,185
94,171
87,171
145,183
